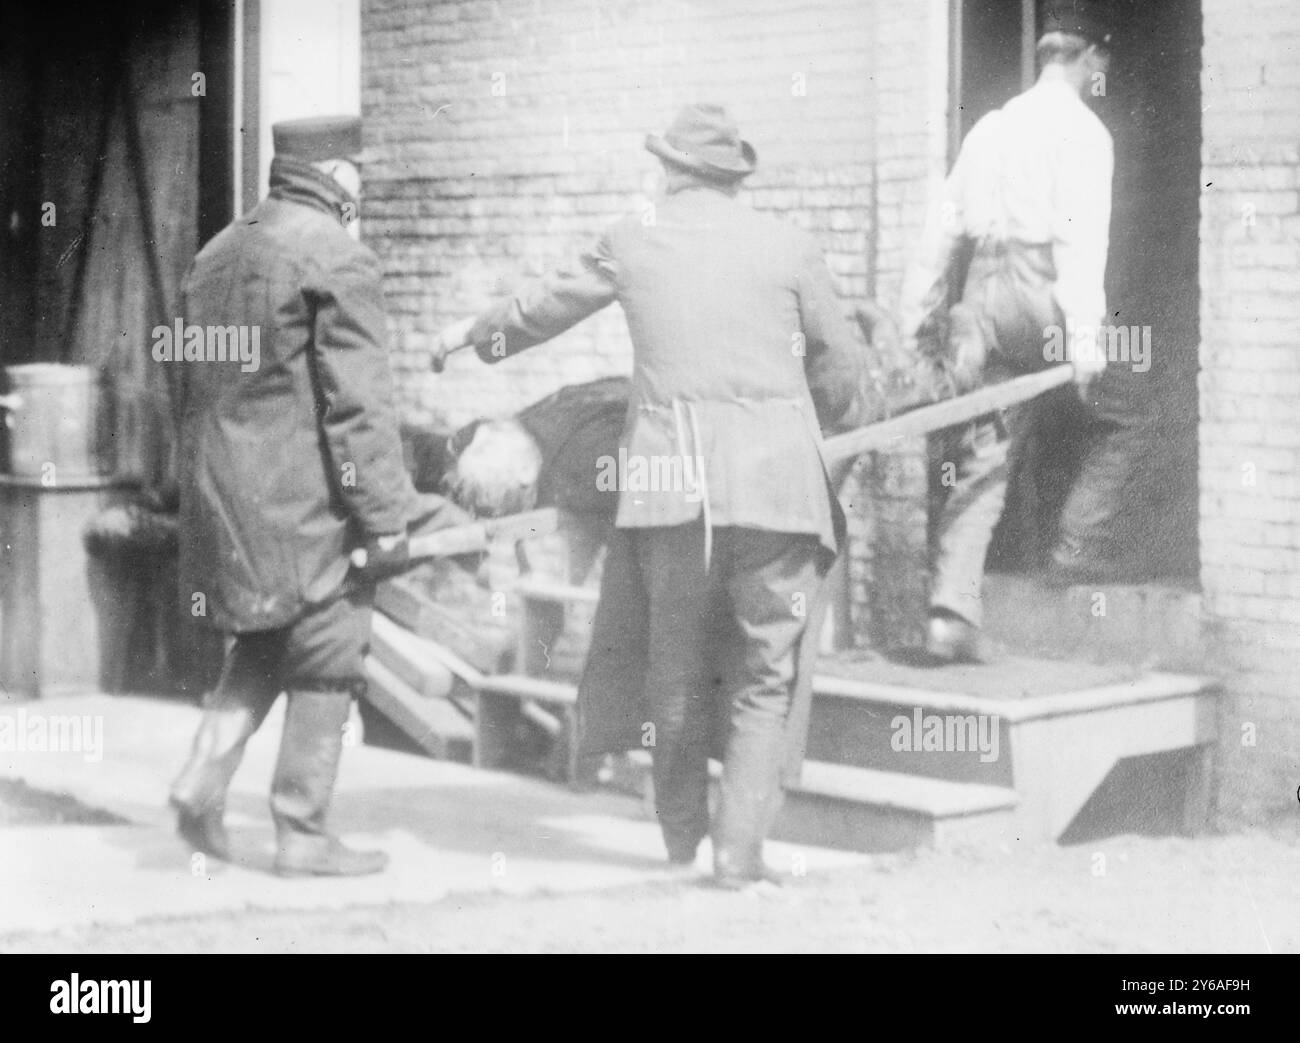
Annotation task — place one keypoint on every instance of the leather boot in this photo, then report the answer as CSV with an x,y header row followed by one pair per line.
x,y
303,785
199,793
950,639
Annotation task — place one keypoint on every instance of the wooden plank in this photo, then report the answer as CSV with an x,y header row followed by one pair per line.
x,y
522,686
544,719
532,589
435,724
1147,688
883,433
408,656
478,536
1150,688
403,601
462,670
887,789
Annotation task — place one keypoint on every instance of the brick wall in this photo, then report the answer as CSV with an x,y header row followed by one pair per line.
x,y
1250,388
508,132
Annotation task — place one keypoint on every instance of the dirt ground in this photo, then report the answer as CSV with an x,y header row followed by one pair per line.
x,y
1232,893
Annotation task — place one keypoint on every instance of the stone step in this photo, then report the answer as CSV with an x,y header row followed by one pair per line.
x,y
884,728
958,723
860,809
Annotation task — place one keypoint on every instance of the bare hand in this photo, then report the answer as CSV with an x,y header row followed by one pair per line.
x,y
453,338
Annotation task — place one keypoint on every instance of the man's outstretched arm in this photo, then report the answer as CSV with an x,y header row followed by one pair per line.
x,y
546,307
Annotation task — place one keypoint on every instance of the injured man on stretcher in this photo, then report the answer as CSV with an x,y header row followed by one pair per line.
x,y
560,451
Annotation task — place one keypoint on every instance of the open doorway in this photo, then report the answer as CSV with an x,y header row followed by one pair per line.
x,y
1139,450
117,166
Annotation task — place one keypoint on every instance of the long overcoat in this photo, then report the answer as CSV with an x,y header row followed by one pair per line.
x,y
741,356
288,455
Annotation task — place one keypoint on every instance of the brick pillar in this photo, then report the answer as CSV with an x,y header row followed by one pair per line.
x,y
1249,388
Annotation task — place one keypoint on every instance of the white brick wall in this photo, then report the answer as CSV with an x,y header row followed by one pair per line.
x,y
1250,392
509,131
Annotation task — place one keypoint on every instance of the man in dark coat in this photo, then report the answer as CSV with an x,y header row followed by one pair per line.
x,y
287,461
726,521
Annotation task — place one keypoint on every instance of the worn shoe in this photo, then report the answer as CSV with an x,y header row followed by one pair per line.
x,y
199,793
307,855
949,639
733,880
203,830
738,867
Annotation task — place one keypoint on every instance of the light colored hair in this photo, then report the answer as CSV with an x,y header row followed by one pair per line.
x,y
1060,47
498,472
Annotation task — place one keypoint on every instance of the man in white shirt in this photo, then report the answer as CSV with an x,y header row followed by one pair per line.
x,y
1028,201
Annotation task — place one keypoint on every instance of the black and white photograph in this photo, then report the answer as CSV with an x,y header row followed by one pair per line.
x,y
650,476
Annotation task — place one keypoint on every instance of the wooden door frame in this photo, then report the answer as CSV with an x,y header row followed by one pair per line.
x,y
956,50
218,173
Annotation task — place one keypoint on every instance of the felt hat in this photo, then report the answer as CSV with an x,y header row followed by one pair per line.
x,y
704,139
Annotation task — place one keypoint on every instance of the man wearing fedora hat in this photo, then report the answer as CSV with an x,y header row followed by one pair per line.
x,y
283,470
726,522
1027,209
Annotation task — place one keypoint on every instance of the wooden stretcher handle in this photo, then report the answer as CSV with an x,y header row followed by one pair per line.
x,y
883,433
476,536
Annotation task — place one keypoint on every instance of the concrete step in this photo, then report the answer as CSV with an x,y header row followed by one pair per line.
x,y
959,723
883,727
860,809
1050,731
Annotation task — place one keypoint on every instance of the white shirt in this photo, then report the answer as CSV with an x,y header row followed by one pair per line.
x,y
1038,170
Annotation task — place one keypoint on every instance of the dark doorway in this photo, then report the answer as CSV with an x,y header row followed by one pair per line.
x,y
117,163
1142,440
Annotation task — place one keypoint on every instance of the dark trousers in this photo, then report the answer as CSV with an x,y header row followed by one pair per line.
x,y
722,649
318,661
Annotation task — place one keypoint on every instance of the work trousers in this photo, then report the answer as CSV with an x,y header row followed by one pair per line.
x,y
722,645
1008,290
318,661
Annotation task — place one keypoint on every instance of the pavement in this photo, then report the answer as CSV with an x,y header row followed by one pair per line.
x,y
449,829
